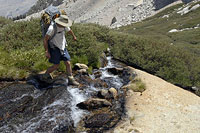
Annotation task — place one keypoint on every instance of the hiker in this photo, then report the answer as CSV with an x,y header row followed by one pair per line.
x,y
55,48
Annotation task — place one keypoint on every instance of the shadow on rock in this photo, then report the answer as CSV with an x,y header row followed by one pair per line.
x,y
45,81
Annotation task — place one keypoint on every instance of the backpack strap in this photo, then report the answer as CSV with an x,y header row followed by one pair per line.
x,y
54,34
55,31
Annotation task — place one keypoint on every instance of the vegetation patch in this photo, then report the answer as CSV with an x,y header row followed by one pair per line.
x,y
22,51
147,45
136,85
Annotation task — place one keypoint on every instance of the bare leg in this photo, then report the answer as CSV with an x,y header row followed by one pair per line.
x,y
52,68
71,80
68,68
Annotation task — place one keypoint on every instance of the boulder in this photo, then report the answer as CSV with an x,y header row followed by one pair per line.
x,y
101,120
20,103
128,74
82,71
113,92
103,93
113,20
86,80
94,103
115,71
79,66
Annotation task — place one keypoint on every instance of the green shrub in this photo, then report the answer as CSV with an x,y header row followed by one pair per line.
x,y
22,51
4,21
137,85
171,63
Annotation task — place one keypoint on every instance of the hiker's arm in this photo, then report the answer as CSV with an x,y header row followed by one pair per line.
x,y
46,38
72,33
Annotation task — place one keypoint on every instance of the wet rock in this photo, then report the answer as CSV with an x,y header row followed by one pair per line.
x,y
103,93
99,83
65,127
113,92
22,103
86,81
111,82
128,75
97,74
41,81
108,94
100,120
115,71
94,103
97,120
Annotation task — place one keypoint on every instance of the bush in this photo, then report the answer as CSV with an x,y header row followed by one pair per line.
x,y
173,64
22,50
4,21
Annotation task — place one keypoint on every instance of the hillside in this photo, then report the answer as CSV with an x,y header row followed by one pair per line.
x,y
176,27
147,45
13,8
111,13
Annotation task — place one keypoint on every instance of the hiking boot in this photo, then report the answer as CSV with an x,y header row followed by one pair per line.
x,y
72,81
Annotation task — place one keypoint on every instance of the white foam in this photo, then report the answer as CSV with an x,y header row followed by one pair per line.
x,y
55,103
18,98
77,97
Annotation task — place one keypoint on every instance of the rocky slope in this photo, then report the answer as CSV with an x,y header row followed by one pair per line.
x,y
13,8
112,13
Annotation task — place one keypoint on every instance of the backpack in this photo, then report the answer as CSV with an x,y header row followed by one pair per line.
x,y
50,14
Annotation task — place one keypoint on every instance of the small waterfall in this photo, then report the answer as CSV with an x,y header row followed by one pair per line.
x,y
114,80
77,97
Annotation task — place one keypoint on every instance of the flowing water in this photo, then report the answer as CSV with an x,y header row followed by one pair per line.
x,y
63,110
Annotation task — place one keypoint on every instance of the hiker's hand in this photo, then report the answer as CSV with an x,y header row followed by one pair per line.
x,y
75,38
47,54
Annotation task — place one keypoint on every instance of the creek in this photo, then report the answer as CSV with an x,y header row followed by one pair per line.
x,y
23,108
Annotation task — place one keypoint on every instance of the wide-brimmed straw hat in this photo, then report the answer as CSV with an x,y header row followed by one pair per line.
x,y
63,20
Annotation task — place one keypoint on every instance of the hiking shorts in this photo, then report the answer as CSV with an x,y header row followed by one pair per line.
x,y
56,55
